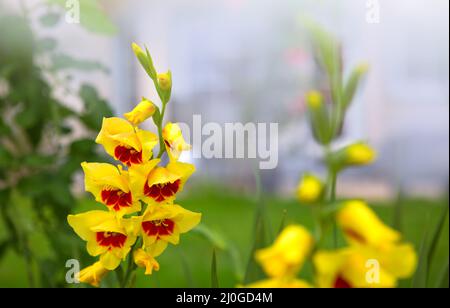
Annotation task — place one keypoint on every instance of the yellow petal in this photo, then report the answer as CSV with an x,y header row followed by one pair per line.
x,y
83,223
114,132
288,253
148,141
362,226
359,154
144,110
279,283
185,220
110,261
146,260
174,141
139,174
93,274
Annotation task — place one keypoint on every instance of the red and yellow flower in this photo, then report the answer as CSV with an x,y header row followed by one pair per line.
x,y
159,185
163,224
110,185
126,143
105,236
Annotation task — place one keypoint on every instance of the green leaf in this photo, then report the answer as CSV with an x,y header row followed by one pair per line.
x,y
95,108
443,281
214,279
50,19
66,62
254,271
420,277
435,239
353,83
38,160
283,222
213,237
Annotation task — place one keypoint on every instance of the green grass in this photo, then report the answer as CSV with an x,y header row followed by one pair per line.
x,y
231,217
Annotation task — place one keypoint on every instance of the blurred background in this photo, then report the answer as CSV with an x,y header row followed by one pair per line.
x,y
232,61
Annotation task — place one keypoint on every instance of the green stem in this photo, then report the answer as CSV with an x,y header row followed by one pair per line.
x,y
162,146
333,182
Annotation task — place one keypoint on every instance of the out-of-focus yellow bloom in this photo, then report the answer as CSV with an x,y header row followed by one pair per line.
x,y
365,266
362,226
163,224
146,260
126,143
105,236
174,141
310,189
158,185
359,154
93,274
274,283
144,110
110,185
314,99
287,255
165,81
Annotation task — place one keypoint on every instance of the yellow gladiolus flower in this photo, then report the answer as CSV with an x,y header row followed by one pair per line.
x,y
126,143
144,110
165,81
310,189
93,274
174,141
362,226
365,267
110,185
105,236
157,185
275,283
359,154
287,255
163,224
146,260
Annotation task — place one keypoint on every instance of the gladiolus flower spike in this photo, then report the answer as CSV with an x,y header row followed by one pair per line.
x,y
137,194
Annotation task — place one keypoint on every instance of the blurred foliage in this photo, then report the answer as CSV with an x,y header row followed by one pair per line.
x,y
39,154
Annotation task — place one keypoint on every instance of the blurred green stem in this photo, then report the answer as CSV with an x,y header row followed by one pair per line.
x,y
162,147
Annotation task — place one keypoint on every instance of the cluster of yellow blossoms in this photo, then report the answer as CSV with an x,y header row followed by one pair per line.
x,y
374,256
138,194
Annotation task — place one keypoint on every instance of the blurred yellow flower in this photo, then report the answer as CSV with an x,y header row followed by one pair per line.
x,y
104,235
93,274
174,141
310,189
126,143
362,226
110,185
274,283
364,266
288,253
163,224
157,185
359,154
165,81
144,110
146,260
314,99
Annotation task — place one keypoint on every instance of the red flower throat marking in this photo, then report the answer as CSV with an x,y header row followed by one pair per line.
x,y
111,239
158,227
128,155
161,192
116,198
